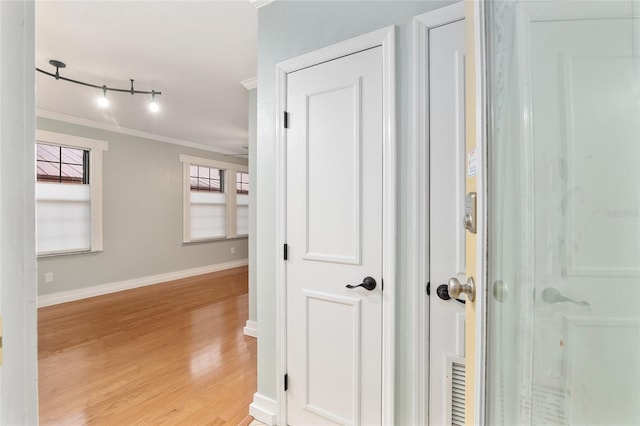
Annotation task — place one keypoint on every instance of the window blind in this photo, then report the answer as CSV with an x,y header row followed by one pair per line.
x,y
208,215
63,217
242,214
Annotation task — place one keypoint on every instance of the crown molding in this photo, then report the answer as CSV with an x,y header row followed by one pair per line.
x,y
260,3
250,83
131,132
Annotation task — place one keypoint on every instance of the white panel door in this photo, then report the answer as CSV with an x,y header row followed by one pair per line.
x,y
567,132
334,236
586,162
447,234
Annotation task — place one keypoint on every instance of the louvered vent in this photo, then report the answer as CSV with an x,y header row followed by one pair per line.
x,y
457,394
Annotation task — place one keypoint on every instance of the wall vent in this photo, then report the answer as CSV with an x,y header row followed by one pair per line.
x,y
457,393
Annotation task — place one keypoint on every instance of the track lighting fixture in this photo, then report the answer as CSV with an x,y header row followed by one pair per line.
x,y
102,101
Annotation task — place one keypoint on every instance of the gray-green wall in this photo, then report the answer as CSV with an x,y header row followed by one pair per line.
x,y
253,115
287,29
142,216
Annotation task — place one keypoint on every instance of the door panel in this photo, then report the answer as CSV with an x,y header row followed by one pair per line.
x,y
446,201
333,126
567,242
334,235
332,322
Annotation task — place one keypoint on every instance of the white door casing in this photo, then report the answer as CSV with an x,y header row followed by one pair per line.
x,y
328,251
18,281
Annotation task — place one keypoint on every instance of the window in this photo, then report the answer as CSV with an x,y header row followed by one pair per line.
x,y
68,193
62,164
206,179
242,183
216,200
242,203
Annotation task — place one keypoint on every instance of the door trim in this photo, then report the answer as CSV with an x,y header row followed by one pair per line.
x,y
18,278
476,16
422,25
385,38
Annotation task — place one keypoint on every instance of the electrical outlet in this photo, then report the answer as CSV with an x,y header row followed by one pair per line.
x,y
48,277
233,250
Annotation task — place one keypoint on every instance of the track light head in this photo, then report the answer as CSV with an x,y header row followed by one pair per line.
x,y
153,106
103,102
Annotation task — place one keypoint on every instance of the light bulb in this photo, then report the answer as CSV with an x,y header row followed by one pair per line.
x,y
153,106
103,102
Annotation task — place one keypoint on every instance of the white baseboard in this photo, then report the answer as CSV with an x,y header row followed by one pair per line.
x,y
99,290
251,329
264,409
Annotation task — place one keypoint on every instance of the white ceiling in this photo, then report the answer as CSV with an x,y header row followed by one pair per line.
x,y
196,52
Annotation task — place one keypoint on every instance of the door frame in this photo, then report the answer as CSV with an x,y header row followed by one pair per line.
x,y
422,24
18,280
474,15
476,37
385,38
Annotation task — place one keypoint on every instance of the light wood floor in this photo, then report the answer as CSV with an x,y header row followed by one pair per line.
x,y
170,353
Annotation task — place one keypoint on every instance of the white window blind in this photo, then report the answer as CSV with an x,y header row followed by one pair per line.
x,y
242,214
207,215
63,217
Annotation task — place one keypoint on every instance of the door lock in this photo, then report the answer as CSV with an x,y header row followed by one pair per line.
x,y
470,212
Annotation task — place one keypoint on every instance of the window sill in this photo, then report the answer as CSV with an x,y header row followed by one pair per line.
x,y
214,240
66,253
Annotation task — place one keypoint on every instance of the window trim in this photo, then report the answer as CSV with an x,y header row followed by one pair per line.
x,y
229,191
96,148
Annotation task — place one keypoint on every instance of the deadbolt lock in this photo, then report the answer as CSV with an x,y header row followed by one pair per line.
x,y
470,212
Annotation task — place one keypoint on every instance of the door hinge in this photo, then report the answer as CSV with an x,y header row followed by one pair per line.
x,y
286,120
285,249
286,382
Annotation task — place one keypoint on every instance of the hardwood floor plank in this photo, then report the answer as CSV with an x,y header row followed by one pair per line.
x,y
170,353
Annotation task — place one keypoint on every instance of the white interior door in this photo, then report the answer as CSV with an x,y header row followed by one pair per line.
x,y
586,168
334,236
447,234
569,238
